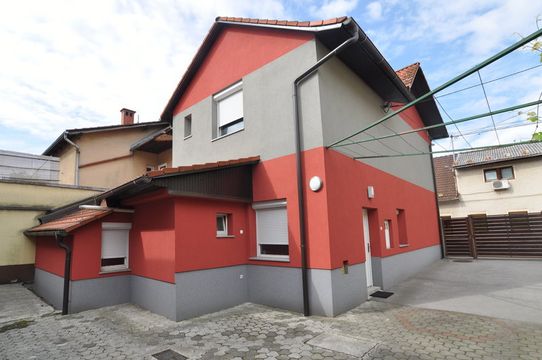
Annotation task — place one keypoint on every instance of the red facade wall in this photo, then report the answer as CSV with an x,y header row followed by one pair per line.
x,y
237,52
198,247
348,180
413,119
49,256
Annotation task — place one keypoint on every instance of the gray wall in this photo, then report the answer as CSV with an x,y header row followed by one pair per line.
x,y
49,286
154,295
348,105
391,270
205,291
268,115
95,293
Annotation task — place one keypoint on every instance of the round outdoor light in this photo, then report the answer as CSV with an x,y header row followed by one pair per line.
x,y
315,183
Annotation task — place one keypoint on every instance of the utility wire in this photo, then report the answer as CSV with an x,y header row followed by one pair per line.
x,y
489,107
449,117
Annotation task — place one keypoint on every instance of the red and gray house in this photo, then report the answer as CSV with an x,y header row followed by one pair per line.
x,y
269,214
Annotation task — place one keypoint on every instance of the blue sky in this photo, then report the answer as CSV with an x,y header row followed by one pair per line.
x,y
69,64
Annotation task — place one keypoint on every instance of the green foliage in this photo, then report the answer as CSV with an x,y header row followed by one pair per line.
x,y
537,136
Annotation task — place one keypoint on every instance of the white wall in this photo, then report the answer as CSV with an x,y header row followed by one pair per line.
x,y
477,196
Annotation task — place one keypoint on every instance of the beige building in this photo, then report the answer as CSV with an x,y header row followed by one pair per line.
x,y
108,156
21,202
491,182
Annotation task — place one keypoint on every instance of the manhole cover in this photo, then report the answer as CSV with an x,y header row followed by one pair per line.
x,y
344,344
169,355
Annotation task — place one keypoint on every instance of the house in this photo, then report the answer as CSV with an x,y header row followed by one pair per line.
x,y
256,207
107,156
495,181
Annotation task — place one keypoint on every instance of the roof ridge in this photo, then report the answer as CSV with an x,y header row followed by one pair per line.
x,y
276,22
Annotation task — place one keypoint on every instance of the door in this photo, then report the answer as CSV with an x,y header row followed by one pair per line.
x,y
367,242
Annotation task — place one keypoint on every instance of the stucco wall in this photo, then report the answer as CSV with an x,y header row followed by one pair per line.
x,y
15,247
67,166
476,196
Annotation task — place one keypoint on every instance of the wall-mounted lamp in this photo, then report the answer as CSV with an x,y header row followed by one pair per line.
x,y
386,106
315,183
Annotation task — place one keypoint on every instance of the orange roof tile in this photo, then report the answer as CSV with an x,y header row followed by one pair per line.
x,y
206,166
293,23
71,221
408,74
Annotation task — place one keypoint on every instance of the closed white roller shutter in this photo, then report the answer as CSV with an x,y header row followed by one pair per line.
x,y
115,237
230,109
272,225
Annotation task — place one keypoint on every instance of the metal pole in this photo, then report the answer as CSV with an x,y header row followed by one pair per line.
x,y
458,121
449,83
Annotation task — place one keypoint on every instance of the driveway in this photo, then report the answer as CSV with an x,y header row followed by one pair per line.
x,y
374,330
506,289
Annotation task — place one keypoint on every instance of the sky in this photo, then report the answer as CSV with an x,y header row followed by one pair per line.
x,y
72,64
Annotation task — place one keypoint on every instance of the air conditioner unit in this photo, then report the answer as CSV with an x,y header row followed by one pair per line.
x,y
501,185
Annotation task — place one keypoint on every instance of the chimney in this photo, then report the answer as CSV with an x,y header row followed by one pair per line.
x,y
126,116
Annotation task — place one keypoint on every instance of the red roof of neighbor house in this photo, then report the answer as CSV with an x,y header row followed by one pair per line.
x,y
293,23
445,178
71,221
204,167
408,74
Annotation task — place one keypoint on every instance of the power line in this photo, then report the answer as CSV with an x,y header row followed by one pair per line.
x,y
449,117
488,107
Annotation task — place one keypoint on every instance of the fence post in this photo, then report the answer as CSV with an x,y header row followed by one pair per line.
x,y
472,237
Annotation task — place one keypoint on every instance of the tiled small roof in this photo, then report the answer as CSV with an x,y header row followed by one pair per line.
x,y
445,178
70,221
204,167
512,152
293,23
408,74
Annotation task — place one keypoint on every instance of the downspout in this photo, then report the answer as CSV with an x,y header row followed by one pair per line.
x,y
439,221
299,165
67,269
77,154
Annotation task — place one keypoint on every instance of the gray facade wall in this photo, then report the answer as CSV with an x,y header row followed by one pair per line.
x,y
389,271
268,115
205,291
95,293
154,295
49,286
348,105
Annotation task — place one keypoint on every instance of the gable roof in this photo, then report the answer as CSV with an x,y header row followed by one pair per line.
x,y
59,141
498,154
363,58
445,178
408,74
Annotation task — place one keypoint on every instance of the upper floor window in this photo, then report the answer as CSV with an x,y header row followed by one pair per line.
x,y
187,126
504,173
228,111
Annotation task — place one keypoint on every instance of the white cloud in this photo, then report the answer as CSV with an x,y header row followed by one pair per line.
x,y
69,64
375,10
333,8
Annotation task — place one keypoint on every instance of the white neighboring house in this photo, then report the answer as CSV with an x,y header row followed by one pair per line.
x,y
490,182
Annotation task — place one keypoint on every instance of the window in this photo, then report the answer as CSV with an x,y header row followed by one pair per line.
x,y
187,126
162,166
229,111
402,225
387,233
222,225
272,229
149,168
504,173
115,246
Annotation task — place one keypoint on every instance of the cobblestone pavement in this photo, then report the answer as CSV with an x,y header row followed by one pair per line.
x,y
257,332
17,302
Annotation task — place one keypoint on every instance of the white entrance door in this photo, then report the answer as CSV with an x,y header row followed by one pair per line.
x,y
367,242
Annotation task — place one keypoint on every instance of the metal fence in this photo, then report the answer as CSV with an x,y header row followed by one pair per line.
x,y
22,166
512,235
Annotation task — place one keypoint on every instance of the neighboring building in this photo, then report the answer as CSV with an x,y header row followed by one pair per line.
x,y
23,166
496,181
193,239
21,203
108,156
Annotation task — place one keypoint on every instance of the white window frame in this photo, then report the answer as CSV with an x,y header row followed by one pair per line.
x,y
387,233
222,233
149,168
187,121
264,206
224,94
116,226
162,166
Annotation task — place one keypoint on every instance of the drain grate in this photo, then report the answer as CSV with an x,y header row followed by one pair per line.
x,y
169,355
382,294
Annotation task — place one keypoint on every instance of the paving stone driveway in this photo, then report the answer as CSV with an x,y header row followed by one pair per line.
x,y
251,331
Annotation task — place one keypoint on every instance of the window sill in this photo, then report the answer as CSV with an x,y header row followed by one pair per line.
x,y
225,236
276,258
112,271
187,137
404,245
223,136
